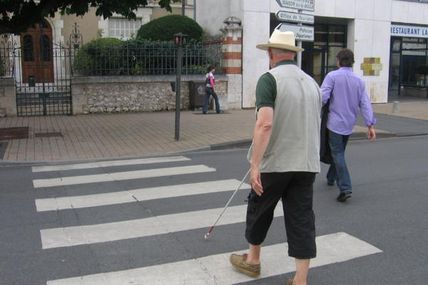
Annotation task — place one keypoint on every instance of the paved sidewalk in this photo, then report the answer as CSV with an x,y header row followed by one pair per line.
x,y
63,138
123,135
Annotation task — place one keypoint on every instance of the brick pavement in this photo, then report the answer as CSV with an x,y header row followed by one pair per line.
x,y
144,134
123,135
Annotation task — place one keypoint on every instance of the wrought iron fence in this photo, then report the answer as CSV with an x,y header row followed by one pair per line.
x,y
7,52
146,58
42,79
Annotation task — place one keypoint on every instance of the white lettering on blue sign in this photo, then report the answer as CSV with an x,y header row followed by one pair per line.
x,y
409,31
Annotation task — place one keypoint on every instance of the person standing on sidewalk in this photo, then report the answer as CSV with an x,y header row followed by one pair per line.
x,y
284,158
347,95
209,89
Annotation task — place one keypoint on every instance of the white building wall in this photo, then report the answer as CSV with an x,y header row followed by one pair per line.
x,y
255,62
210,14
409,12
369,23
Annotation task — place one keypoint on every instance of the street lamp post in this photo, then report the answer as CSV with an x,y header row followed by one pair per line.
x,y
179,40
183,7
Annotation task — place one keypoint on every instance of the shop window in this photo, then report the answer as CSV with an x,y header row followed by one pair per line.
x,y
331,39
414,58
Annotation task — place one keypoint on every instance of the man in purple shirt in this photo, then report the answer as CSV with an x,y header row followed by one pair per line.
x,y
347,95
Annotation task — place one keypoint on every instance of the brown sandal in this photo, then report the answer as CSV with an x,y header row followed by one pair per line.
x,y
240,264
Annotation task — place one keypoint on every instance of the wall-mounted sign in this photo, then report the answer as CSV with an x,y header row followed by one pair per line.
x,y
302,33
295,17
308,5
371,66
409,31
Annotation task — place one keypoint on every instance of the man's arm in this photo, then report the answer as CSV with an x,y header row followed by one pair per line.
x,y
367,112
261,137
371,133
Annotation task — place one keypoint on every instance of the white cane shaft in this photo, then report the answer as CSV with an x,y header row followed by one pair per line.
x,y
231,197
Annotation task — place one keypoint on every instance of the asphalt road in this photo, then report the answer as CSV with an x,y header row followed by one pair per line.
x,y
71,226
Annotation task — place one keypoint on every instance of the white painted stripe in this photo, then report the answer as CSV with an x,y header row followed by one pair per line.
x,y
111,163
215,269
76,235
143,194
232,48
117,176
232,63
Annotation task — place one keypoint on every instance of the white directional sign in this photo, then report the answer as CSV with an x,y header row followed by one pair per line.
x,y
295,17
308,5
302,33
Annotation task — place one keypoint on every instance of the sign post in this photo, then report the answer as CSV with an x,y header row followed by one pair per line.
x,y
301,32
179,40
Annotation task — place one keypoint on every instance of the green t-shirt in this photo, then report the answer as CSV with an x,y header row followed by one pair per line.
x,y
266,91
266,88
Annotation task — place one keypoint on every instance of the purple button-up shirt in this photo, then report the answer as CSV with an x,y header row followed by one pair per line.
x,y
347,94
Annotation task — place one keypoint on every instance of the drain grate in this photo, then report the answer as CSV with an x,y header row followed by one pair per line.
x,y
13,133
48,135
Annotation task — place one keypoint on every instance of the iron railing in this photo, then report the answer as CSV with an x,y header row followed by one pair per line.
x,y
42,82
148,58
7,55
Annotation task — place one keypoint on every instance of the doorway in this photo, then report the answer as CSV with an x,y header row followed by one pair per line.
x,y
43,81
37,64
314,62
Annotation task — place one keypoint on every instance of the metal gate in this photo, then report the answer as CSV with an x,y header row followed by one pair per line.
x,y
43,87
41,69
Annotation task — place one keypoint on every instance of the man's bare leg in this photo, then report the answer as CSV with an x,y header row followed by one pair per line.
x,y
253,256
302,270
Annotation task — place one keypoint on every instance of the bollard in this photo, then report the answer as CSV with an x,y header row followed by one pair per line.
x,y
395,107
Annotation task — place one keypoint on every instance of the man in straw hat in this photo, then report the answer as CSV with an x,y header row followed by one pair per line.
x,y
284,158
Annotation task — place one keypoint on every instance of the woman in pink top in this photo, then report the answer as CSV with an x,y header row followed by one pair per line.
x,y
209,89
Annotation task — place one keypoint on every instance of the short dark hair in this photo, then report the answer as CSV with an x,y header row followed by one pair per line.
x,y
345,57
210,67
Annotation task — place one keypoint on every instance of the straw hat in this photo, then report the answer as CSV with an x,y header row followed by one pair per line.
x,y
281,40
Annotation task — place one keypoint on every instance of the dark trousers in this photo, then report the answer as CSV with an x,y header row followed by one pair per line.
x,y
210,92
338,170
296,191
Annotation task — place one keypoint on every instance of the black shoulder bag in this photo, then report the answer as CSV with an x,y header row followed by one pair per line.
x,y
325,152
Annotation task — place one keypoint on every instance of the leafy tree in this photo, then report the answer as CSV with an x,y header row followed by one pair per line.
x,y
164,28
17,15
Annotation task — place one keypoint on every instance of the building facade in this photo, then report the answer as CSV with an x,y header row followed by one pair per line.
x,y
389,39
38,62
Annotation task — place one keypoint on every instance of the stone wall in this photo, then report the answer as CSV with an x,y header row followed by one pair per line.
x,y
7,97
108,94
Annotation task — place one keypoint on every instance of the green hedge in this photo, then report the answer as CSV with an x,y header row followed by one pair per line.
x,y
164,28
100,57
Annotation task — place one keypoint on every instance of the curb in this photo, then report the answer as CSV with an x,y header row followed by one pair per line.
x,y
355,136
245,143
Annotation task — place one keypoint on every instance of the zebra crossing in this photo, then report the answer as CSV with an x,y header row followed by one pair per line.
x,y
100,187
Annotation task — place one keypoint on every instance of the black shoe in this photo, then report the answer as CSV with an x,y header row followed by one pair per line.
x,y
330,183
344,196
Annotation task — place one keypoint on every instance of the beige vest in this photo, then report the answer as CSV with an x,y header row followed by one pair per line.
x,y
295,140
